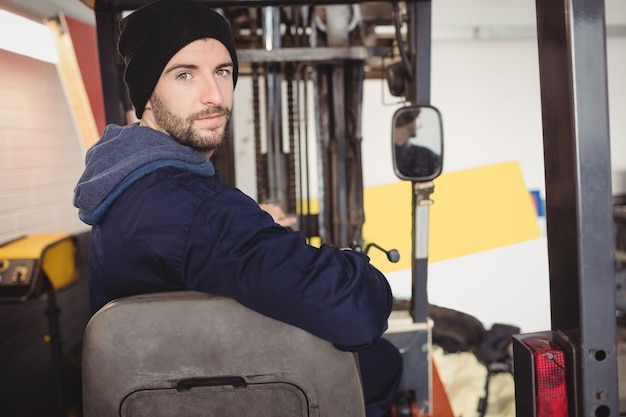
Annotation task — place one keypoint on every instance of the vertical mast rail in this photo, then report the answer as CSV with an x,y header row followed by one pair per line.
x,y
574,97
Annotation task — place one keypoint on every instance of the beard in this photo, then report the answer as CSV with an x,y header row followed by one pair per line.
x,y
183,131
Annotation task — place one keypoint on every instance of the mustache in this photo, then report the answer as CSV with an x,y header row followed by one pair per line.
x,y
210,112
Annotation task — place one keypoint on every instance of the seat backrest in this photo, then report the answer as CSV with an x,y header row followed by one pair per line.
x,y
193,354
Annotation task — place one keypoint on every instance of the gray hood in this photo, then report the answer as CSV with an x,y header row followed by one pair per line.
x,y
123,155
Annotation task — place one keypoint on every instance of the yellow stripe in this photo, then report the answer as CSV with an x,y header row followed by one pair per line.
x,y
474,210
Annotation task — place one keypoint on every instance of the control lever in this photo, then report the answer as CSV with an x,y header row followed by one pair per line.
x,y
393,255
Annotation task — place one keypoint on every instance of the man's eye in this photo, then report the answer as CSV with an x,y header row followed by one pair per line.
x,y
184,76
223,72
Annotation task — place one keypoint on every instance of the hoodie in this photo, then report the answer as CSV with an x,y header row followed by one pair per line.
x,y
163,221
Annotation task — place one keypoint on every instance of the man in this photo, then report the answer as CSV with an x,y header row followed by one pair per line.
x,y
163,221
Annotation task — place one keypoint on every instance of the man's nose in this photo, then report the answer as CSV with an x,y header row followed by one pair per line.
x,y
210,92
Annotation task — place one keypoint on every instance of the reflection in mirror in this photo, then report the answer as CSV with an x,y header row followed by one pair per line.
x,y
417,143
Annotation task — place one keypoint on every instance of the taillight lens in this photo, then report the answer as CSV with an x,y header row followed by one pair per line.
x,y
550,377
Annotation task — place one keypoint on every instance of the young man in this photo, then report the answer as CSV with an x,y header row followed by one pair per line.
x,y
163,221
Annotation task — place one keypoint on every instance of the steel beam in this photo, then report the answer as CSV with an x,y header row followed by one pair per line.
x,y
111,68
122,5
574,98
310,54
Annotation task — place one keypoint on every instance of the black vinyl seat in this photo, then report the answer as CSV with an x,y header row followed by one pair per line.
x,y
192,354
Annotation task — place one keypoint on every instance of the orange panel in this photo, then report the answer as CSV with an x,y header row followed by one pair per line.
x,y
441,404
84,40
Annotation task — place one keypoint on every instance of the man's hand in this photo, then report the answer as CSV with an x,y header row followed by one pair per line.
x,y
279,215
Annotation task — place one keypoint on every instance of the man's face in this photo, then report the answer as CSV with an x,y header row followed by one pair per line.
x,y
192,100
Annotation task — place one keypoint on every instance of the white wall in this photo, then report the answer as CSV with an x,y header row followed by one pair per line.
x,y
616,59
485,80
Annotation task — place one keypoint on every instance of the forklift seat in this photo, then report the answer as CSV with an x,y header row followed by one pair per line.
x,y
193,354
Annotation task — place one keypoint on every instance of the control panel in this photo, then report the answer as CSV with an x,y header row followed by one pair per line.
x,y
17,276
33,264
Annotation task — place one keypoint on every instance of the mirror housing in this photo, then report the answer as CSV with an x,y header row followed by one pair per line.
x,y
417,143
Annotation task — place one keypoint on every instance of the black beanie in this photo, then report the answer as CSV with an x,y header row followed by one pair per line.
x,y
155,32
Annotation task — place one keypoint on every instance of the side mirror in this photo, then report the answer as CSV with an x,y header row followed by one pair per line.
x,y
417,143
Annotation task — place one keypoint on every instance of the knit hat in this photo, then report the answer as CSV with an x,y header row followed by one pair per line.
x,y
155,32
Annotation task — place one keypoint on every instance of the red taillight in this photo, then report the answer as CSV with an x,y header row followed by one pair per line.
x,y
550,377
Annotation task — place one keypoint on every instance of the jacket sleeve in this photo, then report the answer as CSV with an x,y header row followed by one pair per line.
x,y
235,249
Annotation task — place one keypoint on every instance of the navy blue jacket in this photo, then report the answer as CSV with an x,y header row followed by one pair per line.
x,y
163,221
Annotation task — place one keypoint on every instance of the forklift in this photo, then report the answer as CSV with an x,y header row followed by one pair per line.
x,y
286,47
